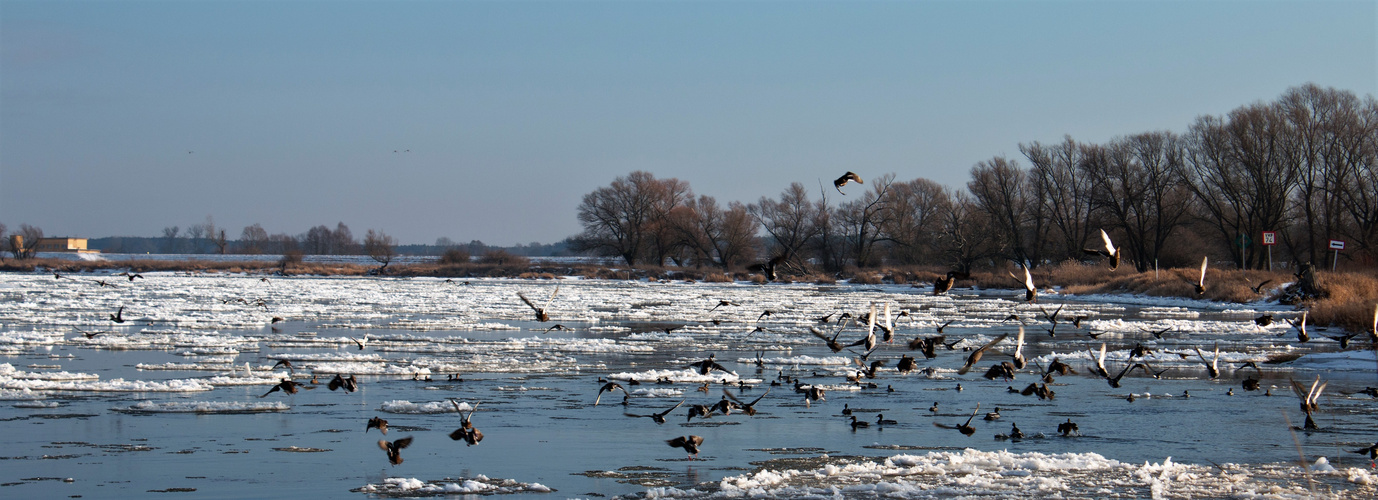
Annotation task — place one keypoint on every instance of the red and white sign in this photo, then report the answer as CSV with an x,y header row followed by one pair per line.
x,y
1337,244
1270,238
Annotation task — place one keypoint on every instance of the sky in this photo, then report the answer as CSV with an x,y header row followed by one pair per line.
x,y
491,120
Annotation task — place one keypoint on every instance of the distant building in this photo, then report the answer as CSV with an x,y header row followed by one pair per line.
x,y
73,245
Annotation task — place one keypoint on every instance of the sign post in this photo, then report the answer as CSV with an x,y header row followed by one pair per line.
x,y
1336,245
1270,239
1243,240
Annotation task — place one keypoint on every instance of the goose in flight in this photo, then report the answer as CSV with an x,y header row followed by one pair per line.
x,y
942,285
1108,251
608,387
288,386
377,423
1309,399
688,443
118,317
541,315
869,341
659,418
1030,291
975,356
1201,282
466,430
394,448
842,181
708,365
361,343
1300,325
1213,365
832,342
348,384
966,428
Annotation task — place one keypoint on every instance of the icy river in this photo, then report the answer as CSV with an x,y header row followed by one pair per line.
x,y
171,402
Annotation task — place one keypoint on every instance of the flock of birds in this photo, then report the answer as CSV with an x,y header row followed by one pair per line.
x,y
879,331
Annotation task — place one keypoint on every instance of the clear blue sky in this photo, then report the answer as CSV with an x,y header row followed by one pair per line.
x,y
121,118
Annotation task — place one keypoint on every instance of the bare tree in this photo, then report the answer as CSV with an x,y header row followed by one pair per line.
x,y
968,235
1000,188
344,242
380,247
171,244
1135,183
254,239
1360,199
791,222
916,210
627,218
862,221
723,238
27,244
1062,194
318,241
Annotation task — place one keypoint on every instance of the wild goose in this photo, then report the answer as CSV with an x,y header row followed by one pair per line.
x,y
975,356
832,342
907,364
1212,366
1300,325
394,449
927,345
1068,428
348,384
1109,251
1201,282
377,423
723,303
1030,291
1019,361
118,317
659,418
361,343
690,444
748,408
1263,320
966,428
842,181
288,386
767,268
943,284
1309,400
608,387
466,430
708,365
541,315
870,339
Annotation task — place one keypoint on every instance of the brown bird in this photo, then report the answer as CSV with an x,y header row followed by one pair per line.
x,y
1300,325
928,345
608,387
394,449
1213,365
907,364
1030,291
287,386
348,384
541,315
767,268
659,418
966,428
1109,251
466,430
842,181
1201,282
975,356
1309,400
1067,428
377,423
689,443
723,303
832,342
942,285
557,326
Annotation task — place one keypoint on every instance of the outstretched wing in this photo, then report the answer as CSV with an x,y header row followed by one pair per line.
x,y
1202,281
528,302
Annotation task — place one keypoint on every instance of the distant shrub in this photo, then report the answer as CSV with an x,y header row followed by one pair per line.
x,y
503,258
758,279
823,279
717,278
867,278
290,258
455,256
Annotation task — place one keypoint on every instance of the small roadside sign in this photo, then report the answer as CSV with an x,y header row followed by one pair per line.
x,y
1270,238
1337,244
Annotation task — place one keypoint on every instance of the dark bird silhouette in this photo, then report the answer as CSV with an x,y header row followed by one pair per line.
x,y
1099,367
118,317
1300,325
1157,334
928,345
842,181
608,387
57,275
832,342
1030,291
130,275
907,364
348,384
1309,399
556,326
1212,365
1371,451
276,320
881,420
659,418
288,386
1263,320
1003,370
869,341
89,335
943,284
768,267
394,449
1259,288
1019,361
1108,250
708,365
723,303
944,325
466,430
1076,320
690,444
285,363
541,315
1068,428
748,408
975,356
104,283
377,423
966,428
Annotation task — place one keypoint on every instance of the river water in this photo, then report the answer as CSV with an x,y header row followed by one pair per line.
x,y
163,403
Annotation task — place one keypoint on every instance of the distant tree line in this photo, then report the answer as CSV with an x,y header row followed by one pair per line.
x,y
1304,165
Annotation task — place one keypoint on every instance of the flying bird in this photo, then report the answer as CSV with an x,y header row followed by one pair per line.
x,y
394,449
975,356
768,268
348,384
832,342
541,315
288,386
377,423
1108,251
1067,428
1030,291
708,365
688,443
1213,365
723,303
842,181
966,428
1309,399
1300,325
361,343
943,284
659,418
466,430
118,317
608,387
1201,282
